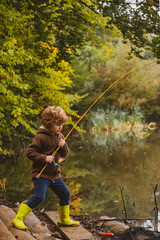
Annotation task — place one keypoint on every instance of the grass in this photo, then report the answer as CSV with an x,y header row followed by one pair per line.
x,y
115,120
113,126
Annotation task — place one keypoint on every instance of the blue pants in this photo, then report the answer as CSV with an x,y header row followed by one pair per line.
x,y
40,187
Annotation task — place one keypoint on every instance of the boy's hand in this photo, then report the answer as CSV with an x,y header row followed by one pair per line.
x,y
49,159
61,143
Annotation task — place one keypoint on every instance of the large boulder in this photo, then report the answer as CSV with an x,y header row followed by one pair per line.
x,y
114,226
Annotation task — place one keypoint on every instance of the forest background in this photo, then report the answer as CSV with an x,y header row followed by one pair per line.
x,y
67,53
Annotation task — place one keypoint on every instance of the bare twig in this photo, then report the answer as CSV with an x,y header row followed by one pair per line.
x,y
123,219
125,211
155,208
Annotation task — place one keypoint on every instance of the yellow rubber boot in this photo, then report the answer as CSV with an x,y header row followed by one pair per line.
x,y
23,211
64,219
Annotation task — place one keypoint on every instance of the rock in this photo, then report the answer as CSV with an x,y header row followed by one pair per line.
x,y
107,218
6,215
5,234
114,226
41,232
139,233
142,237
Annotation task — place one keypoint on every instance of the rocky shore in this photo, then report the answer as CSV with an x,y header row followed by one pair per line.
x,y
41,227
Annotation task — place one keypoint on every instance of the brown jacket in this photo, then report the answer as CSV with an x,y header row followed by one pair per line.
x,y
44,144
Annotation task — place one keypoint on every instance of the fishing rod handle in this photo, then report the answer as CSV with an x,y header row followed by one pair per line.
x,y
39,174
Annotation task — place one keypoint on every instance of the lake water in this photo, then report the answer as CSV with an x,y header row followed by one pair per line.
x,y
99,170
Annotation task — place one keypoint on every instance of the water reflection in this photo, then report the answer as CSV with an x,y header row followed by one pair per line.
x,y
94,171
132,164
16,173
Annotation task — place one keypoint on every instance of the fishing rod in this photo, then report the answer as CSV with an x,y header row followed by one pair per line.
x,y
115,82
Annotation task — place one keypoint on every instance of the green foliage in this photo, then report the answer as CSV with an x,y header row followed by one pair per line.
x,y
113,126
136,116
139,23
84,79
139,88
3,185
75,23
37,40
103,117
36,44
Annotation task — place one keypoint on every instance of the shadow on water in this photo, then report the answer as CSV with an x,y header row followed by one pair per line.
x,y
97,166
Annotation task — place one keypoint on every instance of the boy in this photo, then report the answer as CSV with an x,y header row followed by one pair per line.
x,y
40,151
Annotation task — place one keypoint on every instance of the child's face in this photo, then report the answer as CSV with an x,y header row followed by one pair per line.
x,y
56,128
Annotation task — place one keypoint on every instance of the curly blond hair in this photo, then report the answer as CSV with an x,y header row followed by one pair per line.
x,y
53,114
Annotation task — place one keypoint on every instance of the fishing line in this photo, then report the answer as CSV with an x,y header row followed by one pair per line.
x,y
97,101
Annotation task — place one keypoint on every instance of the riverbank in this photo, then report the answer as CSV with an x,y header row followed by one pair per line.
x,y
41,226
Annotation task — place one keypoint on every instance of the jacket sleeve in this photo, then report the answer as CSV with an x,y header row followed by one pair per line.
x,y
33,151
63,151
